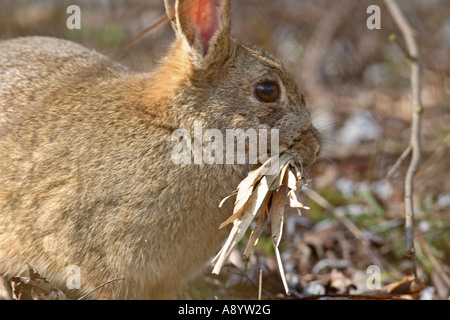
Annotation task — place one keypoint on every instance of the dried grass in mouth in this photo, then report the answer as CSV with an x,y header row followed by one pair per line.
x,y
266,194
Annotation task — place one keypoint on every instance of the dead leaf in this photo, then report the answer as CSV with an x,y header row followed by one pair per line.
x,y
408,285
264,193
34,287
241,225
340,282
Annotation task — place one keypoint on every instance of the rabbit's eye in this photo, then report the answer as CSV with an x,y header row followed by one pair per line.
x,y
268,92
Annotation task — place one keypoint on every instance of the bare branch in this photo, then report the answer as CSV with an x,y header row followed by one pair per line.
x,y
99,287
162,20
346,223
260,284
437,266
399,161
409,35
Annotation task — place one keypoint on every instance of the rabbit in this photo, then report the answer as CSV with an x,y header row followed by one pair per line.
x,y
86,175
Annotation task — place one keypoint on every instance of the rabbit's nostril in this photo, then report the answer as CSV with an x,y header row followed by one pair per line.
x,y
308,144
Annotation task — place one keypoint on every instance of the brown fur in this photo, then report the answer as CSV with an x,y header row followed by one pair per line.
x,y
86,176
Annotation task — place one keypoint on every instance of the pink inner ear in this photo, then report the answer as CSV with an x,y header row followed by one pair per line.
x,y
205,16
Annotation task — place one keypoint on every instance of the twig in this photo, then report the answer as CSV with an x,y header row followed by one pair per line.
x,y
162,20
344,221
413,57
393,37
99,287
437,266
260,284
399,161
354,296
241,273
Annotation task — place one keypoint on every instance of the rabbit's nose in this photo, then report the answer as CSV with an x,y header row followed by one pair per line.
x,y
307,145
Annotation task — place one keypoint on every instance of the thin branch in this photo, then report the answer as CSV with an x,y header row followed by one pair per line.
x,y
393,37
386,296
399,161
241,273
437,266
99,287
409,34
346,223
260,284
328,206
162,20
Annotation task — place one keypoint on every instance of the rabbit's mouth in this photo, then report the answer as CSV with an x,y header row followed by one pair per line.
x,y
305,148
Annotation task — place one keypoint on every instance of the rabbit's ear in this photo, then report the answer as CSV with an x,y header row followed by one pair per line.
x,y
204,25
170,11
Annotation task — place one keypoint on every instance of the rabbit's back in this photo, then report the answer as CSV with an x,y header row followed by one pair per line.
x,y
32,67
86,177
56,130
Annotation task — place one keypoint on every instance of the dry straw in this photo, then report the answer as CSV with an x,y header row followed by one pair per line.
x,y
263,195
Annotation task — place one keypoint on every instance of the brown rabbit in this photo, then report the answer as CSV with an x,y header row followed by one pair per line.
x,y
86,176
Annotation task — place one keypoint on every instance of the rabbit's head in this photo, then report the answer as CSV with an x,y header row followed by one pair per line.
x,y
225,84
